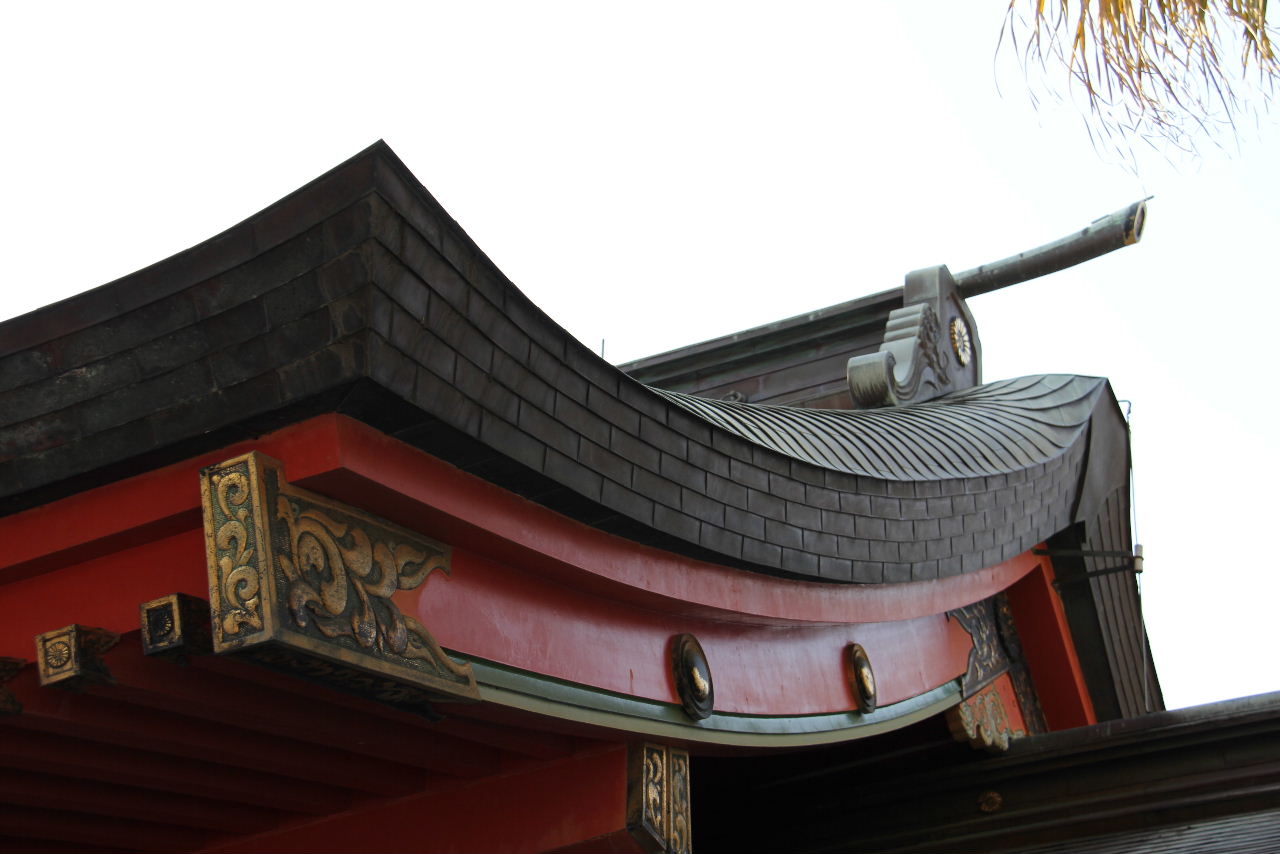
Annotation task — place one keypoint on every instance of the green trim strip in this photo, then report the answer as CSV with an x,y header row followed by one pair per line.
x,y
571,701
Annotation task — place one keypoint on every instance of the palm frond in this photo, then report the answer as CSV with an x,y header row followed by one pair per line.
x,y
1153,67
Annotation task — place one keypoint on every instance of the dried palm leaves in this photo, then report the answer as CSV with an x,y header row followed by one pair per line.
x,y
1154,68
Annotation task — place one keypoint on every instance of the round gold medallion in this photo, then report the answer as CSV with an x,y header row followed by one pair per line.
x,y
57,654
692,675
861,678
960,342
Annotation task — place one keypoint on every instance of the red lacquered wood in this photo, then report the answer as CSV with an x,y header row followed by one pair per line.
x,y
149,506
531,589
104,591
540,808
499,613
1051,653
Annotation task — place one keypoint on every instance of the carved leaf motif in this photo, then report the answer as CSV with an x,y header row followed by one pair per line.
x,y
680,836
240,584
655,782
341,581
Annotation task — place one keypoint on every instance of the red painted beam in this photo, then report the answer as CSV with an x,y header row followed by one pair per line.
x,y
63,756
91,718
83,829
401,727
541,808
253,705
28,789
1051,654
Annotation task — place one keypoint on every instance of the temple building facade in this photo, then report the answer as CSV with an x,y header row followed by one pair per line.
x,y
320,536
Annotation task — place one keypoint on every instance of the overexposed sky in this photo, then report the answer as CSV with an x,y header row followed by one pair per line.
x,y
658,174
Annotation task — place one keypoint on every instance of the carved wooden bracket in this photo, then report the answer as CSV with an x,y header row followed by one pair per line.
x,y
70,657
304,584
930,347
997,651
987,659
658,798
983,720
175,627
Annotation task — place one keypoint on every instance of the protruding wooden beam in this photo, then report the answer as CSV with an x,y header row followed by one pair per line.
x,y
71,657
175,627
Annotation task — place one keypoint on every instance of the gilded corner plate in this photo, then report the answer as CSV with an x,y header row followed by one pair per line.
x,y
303,583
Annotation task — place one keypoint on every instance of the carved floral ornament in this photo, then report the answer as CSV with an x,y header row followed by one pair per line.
x,y
306,584
983,720
658,813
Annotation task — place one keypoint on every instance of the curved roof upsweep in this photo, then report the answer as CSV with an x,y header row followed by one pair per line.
x,y
358,294
998,428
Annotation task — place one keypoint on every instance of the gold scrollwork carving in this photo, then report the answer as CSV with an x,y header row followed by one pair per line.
x,y
341,581
658,798
983,721
305,584
679,824
235,550
655,789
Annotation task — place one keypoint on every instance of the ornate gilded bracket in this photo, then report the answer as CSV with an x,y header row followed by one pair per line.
x,y
997,651
304,584
930,347
987,658
658,798
71,657
9,667
983,721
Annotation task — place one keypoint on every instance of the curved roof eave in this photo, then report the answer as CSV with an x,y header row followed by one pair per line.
x,y
359,294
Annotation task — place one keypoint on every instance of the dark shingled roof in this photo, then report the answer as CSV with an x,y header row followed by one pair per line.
x,y
998,428
358,294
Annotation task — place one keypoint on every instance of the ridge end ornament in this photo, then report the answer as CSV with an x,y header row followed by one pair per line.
x,y
304,584
929,348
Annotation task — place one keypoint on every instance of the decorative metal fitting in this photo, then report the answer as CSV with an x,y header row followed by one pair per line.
x,y
961,343
176,626
693,677
70,657
861,678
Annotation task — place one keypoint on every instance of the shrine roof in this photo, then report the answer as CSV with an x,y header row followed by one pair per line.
x,y
358,294
997,428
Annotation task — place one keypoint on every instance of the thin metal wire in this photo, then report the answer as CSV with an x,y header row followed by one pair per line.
x,y
1133,523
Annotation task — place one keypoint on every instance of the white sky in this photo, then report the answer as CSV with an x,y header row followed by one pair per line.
x,y
659,174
